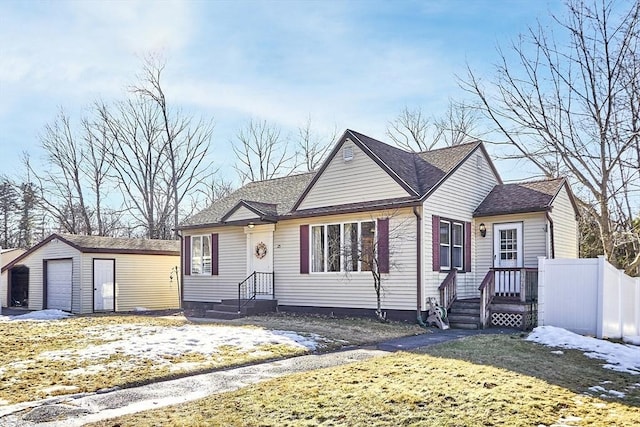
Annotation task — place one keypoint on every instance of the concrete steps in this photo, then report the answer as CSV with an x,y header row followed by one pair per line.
x,y
228,309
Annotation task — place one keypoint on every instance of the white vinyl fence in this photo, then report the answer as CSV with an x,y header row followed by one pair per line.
x,y
588,296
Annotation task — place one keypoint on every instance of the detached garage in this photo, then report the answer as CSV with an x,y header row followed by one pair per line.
x,y
86,274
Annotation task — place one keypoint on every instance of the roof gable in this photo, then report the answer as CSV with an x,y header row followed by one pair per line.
x,y
362,177
280,193
529,196
247,209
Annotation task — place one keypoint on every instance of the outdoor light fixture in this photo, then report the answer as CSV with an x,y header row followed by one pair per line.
x,y
251,225
483,229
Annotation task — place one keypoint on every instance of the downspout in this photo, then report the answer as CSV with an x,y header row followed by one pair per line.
x,y
180,268
551,238
419,268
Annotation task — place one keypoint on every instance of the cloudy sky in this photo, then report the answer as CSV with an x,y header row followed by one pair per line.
x,y
344,64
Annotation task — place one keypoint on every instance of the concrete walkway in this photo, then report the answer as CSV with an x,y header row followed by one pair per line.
x,y
78,409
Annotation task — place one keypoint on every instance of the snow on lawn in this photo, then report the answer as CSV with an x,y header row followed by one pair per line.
x,y
159,344
619,357
49,314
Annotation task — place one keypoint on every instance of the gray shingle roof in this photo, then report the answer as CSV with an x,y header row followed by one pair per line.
x,y
531,196
281,192
418,173
105,244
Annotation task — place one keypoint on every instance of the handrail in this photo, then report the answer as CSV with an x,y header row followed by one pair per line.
x,y
487,292
448,289
257,283
516,282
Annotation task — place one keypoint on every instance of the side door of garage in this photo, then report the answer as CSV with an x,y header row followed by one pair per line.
x,y
104,271
59,283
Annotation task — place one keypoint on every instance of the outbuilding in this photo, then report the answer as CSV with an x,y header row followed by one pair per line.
x,y
86,274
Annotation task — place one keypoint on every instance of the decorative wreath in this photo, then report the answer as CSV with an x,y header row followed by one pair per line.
x,y
261,250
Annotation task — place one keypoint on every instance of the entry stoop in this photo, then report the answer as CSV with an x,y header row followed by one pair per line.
x,y
228,308
464,314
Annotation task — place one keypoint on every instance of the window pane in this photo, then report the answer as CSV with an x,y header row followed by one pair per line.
x,y
445,238
351,246
196,255
445,256
317,248
457,234
367,241
457,258
206,254
333,246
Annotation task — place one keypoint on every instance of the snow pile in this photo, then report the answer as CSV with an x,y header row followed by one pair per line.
x,y
49,314
635,340
619,357
161,344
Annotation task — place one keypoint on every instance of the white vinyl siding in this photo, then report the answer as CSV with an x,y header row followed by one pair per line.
x,y
456,199
348,289
358,180
534,239
565,226
232,268
54,250
142,281
242,213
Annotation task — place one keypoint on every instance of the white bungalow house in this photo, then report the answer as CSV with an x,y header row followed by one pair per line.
x,y
86,274
437,224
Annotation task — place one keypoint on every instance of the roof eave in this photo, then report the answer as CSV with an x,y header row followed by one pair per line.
x,y
512,212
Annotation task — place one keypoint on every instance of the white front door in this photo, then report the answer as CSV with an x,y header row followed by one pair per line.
x,y
260,252
103,284
507,257
260,260
59,284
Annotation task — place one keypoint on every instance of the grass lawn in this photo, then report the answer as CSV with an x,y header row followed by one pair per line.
x,y
89,353
477,381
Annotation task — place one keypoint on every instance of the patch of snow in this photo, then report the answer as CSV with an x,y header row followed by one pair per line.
x,y
617,394
619,357
48,314
161,344
635,340
557,352
140,309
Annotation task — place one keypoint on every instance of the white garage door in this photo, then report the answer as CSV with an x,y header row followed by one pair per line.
x,y
59,273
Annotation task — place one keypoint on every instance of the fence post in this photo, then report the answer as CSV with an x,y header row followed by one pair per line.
x,y
600,300
541,283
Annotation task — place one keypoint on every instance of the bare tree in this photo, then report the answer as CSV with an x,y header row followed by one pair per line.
x,y
412,130
75,179
312,148
186,140
158,154
572,108
262,153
